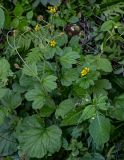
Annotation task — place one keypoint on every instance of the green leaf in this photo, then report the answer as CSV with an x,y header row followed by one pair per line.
x,y
80,92
3,114
62,40
54,2
49,82
59,22
99,130
15,22
69,58
98,156
35,55
101,86
72,118
26,82
49,52
2,18
119,100
4,69
107,25
37,96
47,110
38,102
18,10
2,92
30,70
100,102
29,14
8,144
11,99
68,76
88,112
74,19
95,156
38,141
44,2
65,107
119,81
104,83
121,62
87,156
117,111
103,64
74,43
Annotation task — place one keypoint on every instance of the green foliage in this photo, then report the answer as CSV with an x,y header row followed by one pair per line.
x,y
117,110
37,140
88,113
72,118
61,80
69,76
52,2
49,83
31,70
2,92
114,10
37,96
104,64
4,70
8,143
11,99
64,107
2,17
69,58
99,130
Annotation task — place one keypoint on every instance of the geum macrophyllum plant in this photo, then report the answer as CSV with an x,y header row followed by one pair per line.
x,y
61,94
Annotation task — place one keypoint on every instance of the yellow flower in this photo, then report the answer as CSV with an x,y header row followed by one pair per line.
x,y
52,10
52,43
37,27
85,71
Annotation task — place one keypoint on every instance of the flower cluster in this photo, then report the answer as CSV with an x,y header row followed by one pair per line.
x,y
52,43
52,9
85,71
